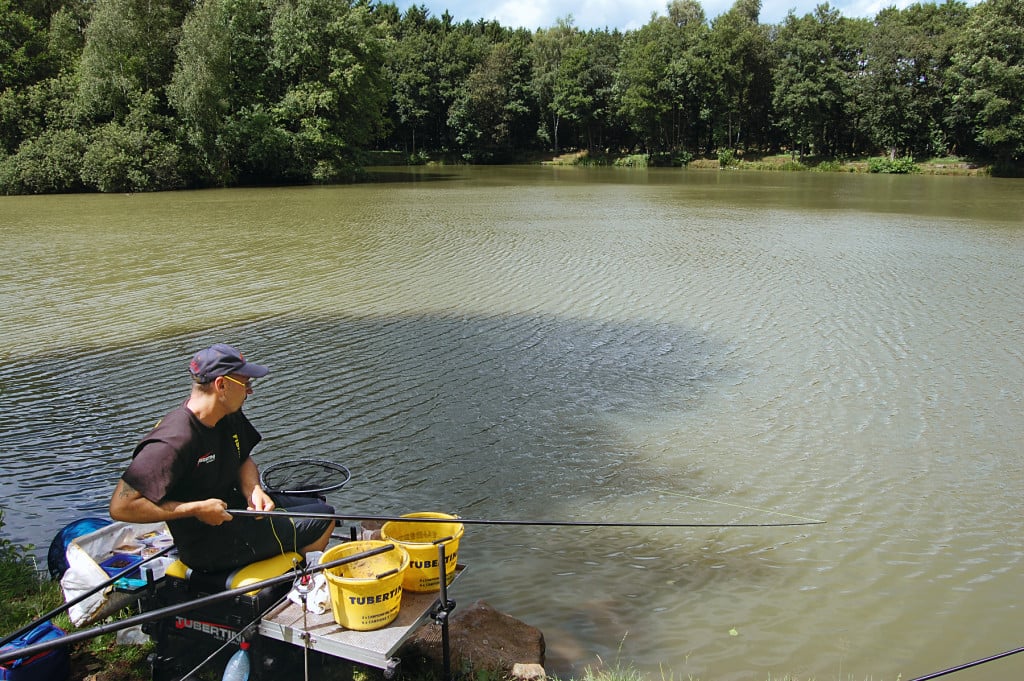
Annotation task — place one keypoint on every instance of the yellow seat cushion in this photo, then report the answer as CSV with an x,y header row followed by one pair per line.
x,y
247,574
264,569
178,569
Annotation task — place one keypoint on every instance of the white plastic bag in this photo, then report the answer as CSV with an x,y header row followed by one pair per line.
x,y
84,574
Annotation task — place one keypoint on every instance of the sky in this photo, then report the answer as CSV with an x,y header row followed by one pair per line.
x,y
623,14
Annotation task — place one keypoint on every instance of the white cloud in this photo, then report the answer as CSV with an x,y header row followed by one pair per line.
x,y
626,14
586,14
530,15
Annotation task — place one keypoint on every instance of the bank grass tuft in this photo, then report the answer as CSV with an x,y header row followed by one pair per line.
x,y
25,593
617,672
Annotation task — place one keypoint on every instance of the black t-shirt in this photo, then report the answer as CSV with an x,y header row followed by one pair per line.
x,y
184,460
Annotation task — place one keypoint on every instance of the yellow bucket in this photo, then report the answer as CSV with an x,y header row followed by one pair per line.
x,y
421,541
367,593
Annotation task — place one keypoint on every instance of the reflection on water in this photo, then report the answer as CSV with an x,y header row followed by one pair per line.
x,y
535,343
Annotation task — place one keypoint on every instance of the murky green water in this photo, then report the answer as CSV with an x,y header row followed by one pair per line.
x,y
525,343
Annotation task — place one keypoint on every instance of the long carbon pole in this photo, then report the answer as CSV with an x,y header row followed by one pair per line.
x,y
29,651
968,665
531,523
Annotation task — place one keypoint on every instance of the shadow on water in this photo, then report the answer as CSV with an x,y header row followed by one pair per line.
x,y
453,402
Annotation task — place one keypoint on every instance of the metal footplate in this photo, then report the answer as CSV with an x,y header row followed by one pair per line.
x,y
375,648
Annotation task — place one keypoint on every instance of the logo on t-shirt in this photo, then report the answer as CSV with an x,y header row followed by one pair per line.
x,y
207,458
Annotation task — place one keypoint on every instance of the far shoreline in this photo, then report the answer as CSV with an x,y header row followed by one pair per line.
x,y
781,162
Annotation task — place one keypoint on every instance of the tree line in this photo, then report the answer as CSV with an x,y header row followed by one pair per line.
x,y
142,95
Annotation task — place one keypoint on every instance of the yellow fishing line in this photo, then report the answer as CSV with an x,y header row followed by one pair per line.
x,y
746,508
295,535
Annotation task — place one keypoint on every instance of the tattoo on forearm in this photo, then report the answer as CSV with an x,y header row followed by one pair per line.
x,y
126,490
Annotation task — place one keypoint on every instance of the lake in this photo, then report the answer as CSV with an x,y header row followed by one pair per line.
x,y
546,343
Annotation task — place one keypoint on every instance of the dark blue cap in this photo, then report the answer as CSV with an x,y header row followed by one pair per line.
x,y
220,360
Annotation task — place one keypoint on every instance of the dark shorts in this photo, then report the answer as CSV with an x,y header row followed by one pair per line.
x,y
246,539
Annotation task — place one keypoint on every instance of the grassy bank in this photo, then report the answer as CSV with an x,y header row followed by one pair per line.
x,y
726,160
102,658
28,593
784,162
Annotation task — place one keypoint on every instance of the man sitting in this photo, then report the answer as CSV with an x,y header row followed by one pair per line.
x,y
196,464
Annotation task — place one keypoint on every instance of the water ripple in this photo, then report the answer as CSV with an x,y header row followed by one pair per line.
x,y
688,348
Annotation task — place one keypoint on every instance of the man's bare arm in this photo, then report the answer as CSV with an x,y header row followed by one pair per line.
x,y
249,483
128,504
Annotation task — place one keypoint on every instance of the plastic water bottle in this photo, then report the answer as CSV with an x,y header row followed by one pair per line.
x,y
238,666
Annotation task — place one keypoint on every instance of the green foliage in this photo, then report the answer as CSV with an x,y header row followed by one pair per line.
x,y
27,599
45,106
18,575
49,163
22,42
418,158
740,53
133,156
493,109
727,158
632,161
829,167
898,166
255,148
902,78
549,48
279,92
331,53
792,166
200,86
139,95
988,70
788,165
128,52
642,82
584,87
680,159
817,57
65,39
40,133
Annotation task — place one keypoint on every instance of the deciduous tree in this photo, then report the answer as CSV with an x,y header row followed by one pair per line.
x,y
740,55
816,64
988,68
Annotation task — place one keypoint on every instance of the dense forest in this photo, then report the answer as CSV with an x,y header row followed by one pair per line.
x,y
142,95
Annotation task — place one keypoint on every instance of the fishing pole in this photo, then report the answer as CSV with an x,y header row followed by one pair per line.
x,y
730,504
29,651
475,521
75,601
316,476
968,665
